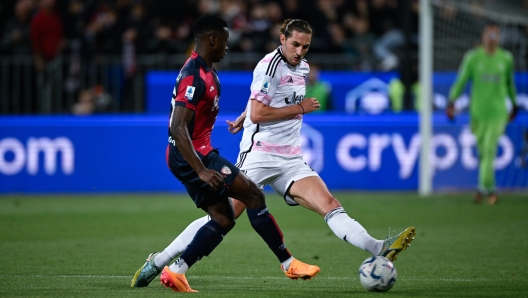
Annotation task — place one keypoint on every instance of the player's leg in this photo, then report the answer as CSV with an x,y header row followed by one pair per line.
x,y
207,238
479,131
300,183
265,225
217,204
156,261
199,192
491,135
181,242
312,193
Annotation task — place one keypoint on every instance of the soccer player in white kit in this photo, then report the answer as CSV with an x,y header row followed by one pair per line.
x,y
270,151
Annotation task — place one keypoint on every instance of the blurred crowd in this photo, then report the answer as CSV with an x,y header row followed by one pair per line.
x,y
378,35
370,30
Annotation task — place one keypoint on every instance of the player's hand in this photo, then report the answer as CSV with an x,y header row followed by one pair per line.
x,y
211,177
450,111
237,125
310,104
513,113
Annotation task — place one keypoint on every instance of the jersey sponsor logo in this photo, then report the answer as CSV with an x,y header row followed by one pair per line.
x,y
211,89
225,170
491,78
265,87
189,93
215,103
258,143
295,99
290,80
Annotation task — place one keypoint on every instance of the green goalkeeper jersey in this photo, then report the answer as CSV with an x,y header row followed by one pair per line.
x,y
492,81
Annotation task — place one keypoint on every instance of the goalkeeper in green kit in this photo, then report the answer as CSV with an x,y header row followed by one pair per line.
x,y
490,69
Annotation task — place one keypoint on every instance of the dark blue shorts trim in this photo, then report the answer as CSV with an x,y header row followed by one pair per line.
x,y
201,191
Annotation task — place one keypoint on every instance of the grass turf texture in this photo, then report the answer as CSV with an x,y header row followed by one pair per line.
x,y
91,245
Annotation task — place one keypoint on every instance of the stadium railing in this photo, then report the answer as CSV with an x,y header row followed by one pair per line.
x,y
23,90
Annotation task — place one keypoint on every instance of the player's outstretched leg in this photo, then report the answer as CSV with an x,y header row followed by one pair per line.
x,y
175,281
394,245
146,273
157,260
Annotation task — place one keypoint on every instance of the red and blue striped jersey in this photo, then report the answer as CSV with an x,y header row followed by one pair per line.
x,y
198,89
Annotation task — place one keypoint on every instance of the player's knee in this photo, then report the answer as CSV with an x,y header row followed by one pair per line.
x,y
330,204
230,225
255,196
226,223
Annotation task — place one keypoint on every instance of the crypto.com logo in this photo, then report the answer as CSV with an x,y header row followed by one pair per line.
x,y
373,145
312,147
14,156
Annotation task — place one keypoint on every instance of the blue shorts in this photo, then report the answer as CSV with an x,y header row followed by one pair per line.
x,y
199,190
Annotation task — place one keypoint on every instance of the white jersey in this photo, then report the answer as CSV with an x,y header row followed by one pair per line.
x,y
276,84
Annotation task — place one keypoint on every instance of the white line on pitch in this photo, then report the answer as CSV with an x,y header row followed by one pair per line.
x,y
245,277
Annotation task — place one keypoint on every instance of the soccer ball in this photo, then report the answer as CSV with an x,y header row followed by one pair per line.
x,y
377,274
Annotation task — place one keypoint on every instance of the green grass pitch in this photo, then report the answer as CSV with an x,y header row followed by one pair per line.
x,y
91,245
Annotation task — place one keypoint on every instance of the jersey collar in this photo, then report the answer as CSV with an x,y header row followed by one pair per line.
x,y
282,56
200,60
284,59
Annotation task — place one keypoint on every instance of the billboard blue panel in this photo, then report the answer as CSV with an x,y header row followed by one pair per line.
x,y
235,88
350,90
360,152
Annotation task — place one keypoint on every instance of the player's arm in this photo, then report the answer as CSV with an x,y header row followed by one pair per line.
x,y
512,92
263,88
261,112
181,117
236,126
463,76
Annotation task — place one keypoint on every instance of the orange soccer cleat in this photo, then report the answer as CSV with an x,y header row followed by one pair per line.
x,y
302,270
176,281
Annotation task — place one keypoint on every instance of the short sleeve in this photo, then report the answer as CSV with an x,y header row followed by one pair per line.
x,y
265,80
189,89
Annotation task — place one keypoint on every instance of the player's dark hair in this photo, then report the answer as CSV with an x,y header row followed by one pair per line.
x,y
208,24
298,25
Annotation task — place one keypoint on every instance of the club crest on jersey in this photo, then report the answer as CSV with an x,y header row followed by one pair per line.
x,y
265,87
225,170
189,93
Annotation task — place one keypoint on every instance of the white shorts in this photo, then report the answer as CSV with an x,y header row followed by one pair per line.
x,y
276,171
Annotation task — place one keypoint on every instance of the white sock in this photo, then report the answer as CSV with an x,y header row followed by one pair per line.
x,y
286,264
179,266
180,243
351,231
